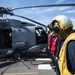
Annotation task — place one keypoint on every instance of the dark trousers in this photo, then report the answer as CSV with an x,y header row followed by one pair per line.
x,y
53,58
57,68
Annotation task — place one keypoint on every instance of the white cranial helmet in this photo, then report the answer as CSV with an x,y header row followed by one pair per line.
x,y
64,22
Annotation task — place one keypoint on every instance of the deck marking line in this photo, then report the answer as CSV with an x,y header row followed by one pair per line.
x,y
27,73
44,67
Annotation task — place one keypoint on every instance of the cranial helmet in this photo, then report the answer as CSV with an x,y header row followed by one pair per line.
x,y
64,22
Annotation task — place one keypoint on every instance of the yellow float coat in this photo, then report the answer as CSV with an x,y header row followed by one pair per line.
x,y
62,62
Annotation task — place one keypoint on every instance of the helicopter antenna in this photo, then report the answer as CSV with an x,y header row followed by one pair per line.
x,y
51,5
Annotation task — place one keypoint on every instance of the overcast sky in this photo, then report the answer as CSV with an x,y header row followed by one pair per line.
x,y
42,15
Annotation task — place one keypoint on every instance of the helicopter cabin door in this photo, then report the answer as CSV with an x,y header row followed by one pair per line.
x,y
5,38
19,38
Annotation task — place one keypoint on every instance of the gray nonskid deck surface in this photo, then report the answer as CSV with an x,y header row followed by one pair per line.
x,y
38,66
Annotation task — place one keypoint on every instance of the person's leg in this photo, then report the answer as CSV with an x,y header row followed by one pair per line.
x,y
54,60
57,68
51,56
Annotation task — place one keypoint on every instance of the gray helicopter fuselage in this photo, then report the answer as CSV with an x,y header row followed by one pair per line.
x,y
15,34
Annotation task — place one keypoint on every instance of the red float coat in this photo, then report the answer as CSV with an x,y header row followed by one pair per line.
x,y
52,44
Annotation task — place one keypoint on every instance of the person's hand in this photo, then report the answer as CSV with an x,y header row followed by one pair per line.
x,y
56,58
48,47
51,34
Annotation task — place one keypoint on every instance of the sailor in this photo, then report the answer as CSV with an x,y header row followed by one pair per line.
x,y
66,52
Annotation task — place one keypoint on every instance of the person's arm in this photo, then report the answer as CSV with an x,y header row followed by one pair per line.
x,y
49,42
58,48
59,45
71,56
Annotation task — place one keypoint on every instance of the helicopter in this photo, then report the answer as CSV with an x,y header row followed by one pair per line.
x,y
18,38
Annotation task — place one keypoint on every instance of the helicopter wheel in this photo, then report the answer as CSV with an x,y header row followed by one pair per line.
x,y
17,55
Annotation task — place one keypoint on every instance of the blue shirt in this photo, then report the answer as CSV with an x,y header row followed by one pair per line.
x,y
71,56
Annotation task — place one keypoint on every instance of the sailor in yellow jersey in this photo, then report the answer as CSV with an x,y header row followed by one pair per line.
x,y
66,57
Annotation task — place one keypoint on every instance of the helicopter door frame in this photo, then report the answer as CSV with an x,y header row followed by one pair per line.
x,y
5,38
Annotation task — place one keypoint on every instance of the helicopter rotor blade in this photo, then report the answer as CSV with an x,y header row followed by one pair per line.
x,y
9,11
52,5
32,21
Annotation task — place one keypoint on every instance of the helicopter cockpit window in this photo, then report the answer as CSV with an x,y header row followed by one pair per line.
x,y
41,36
38,33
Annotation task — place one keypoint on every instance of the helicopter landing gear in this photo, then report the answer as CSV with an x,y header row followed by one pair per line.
x,y
16,61
17,55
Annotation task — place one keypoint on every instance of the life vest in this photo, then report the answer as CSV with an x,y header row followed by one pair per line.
x,y
62,62
54,45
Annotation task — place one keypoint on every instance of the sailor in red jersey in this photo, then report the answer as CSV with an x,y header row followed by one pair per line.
x,y
52,45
